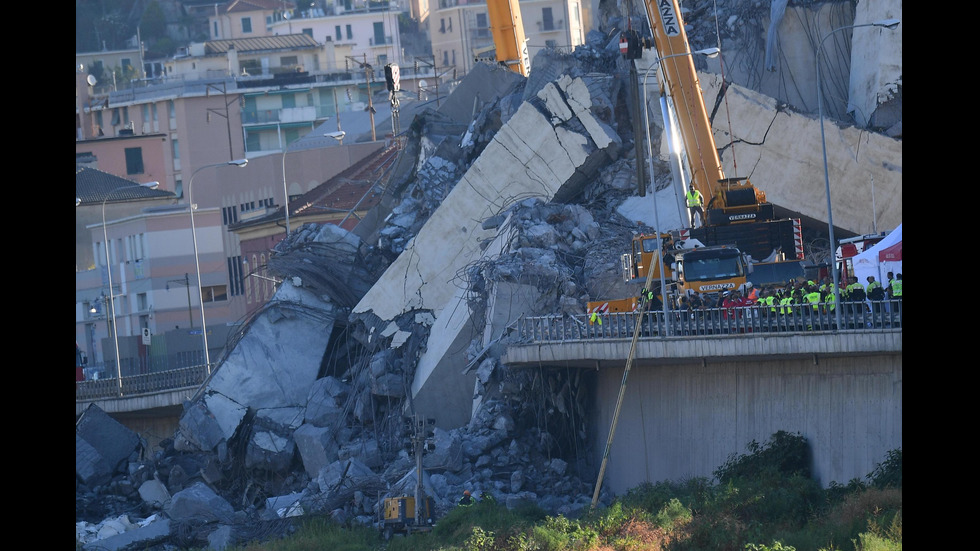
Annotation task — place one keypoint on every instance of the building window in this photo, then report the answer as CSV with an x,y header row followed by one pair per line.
x,y
246,24
134,160
337,33
236,276
350,33
442,25
142,304
179,187
450,26
379,34
288,61
547,19
214,293
136,245
308,32
482,27
229,215
445,58
214,33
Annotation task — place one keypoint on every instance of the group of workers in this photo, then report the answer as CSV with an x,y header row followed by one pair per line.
x,y
788,298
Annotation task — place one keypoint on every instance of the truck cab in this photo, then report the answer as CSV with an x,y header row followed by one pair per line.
x,y
710,270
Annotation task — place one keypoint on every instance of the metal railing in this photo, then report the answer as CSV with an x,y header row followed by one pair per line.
x,y
141,384
748,320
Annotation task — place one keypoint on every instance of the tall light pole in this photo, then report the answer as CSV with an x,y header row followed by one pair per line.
x,y
108,269
709,52
338,135
197,259
888,24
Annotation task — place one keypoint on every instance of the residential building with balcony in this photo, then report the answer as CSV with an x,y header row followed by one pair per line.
x,y
460,29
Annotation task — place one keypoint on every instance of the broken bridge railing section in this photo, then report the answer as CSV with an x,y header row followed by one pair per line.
x,y
148,383
879,316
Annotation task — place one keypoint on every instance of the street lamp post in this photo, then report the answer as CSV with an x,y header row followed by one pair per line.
x,y
108,267
197,259
888,24
709,52
338,135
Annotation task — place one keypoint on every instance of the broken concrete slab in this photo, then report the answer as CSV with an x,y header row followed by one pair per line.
x,y
199,503
792,174
137,537
317,447
102,445
154,493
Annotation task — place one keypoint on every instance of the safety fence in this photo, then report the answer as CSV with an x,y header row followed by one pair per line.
x,y
877,316
141,384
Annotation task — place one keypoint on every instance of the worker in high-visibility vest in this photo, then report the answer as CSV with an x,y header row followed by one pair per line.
x,y
695,204
895,286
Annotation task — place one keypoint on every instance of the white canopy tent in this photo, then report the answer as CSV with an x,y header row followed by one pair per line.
x,y
871,263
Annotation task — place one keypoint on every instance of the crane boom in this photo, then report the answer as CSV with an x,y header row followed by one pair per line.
x,y
507,29
682,85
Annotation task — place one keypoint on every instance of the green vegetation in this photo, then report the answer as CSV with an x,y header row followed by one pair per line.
x,y
765,500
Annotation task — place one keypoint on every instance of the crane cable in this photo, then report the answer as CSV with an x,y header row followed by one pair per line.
x,y
724,86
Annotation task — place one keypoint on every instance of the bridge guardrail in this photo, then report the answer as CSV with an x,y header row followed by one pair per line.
x,y
748,320
141,384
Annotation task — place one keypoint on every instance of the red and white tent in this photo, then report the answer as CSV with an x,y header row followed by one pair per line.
x,y
884,257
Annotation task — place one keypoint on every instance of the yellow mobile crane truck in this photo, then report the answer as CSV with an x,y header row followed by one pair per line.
x,y
740,240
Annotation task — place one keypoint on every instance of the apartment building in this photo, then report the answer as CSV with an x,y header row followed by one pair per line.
x,y
183,133
460,29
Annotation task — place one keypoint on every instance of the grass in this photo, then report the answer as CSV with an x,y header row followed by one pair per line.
x,y
761,501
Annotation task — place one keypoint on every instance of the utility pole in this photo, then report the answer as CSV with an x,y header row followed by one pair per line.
x,y
186,282
224,93
367,78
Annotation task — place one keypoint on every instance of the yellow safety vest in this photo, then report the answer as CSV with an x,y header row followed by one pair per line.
x,y
896,285
694,198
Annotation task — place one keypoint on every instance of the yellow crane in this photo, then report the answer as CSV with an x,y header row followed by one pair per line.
x,y
507,29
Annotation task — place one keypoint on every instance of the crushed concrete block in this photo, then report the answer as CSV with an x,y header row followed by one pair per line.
x,y
102,445
365,451
154,493
316,447
269,450
199,502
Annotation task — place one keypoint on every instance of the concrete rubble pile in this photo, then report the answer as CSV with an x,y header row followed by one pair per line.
x,y
507,204
320,428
